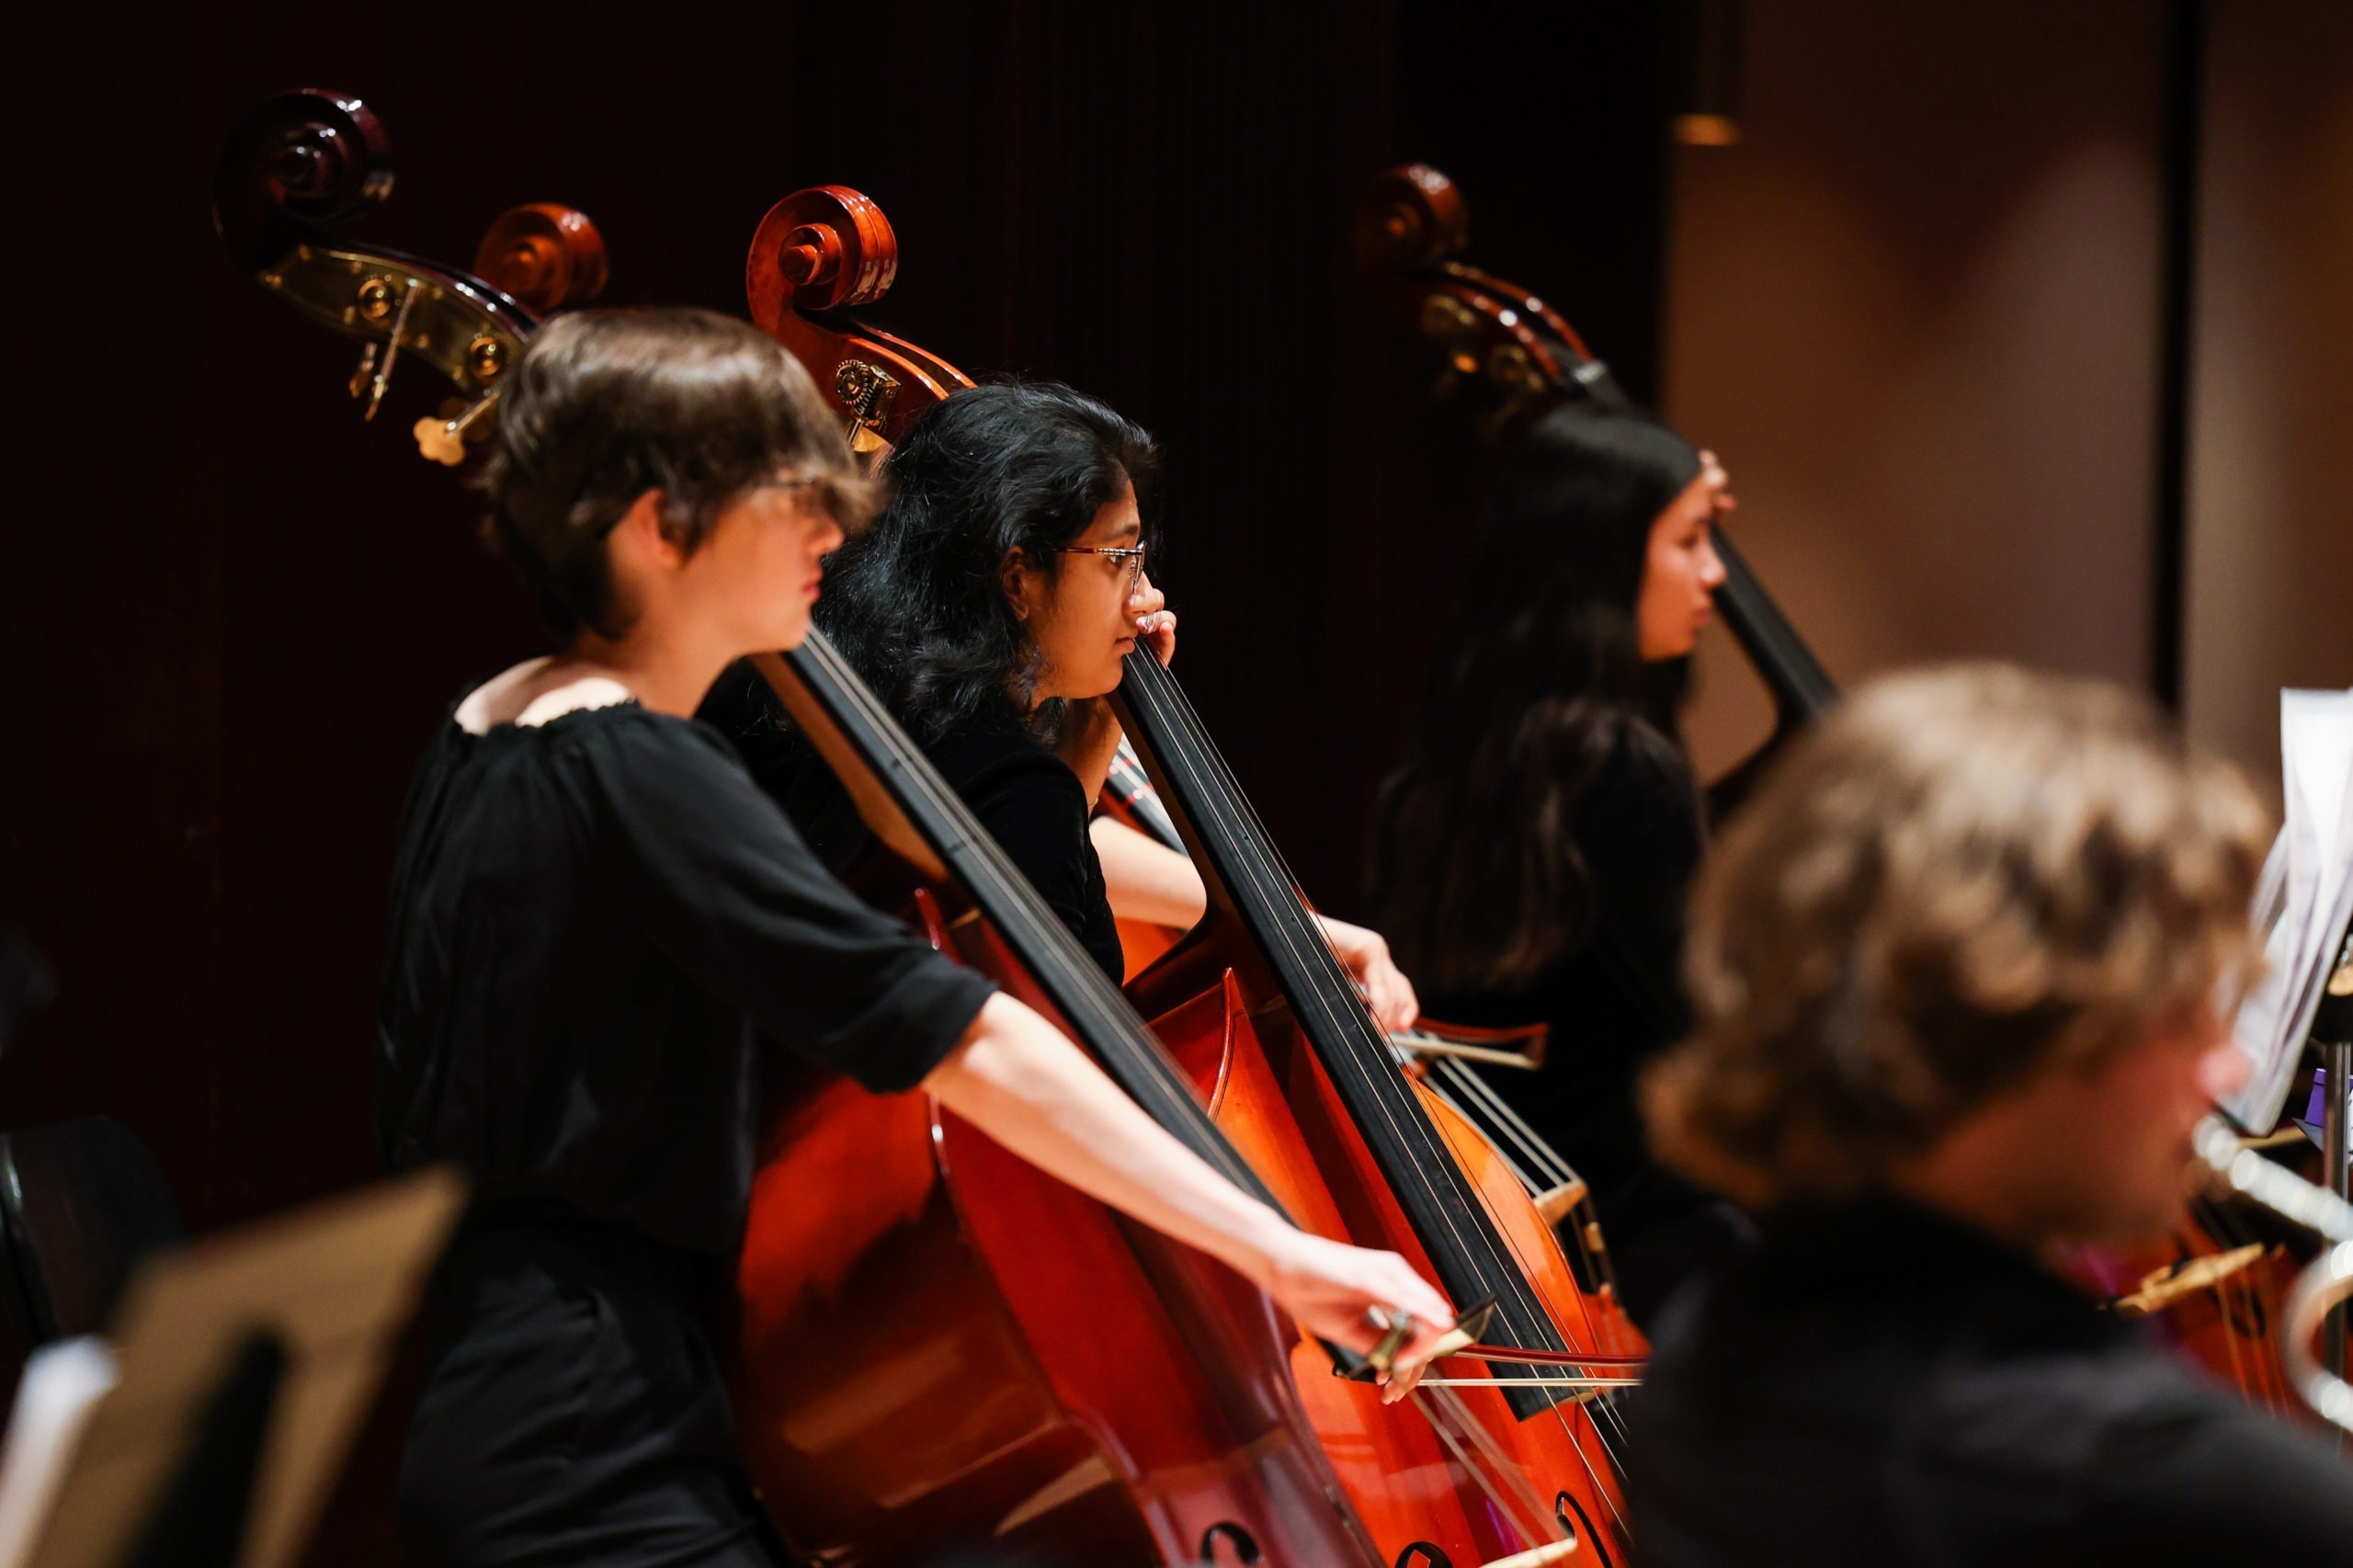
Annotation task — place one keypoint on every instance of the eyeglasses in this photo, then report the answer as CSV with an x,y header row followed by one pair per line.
x,y
1129,557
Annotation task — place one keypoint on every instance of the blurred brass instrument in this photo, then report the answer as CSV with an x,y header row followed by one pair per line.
x,y
2323,1286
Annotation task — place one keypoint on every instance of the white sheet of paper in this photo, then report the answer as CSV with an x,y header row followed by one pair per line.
x,y
2306,898
334,1282
62,1385
2256,1028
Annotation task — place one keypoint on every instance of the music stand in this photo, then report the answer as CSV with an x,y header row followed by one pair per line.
x,y
2332,1037
257,1350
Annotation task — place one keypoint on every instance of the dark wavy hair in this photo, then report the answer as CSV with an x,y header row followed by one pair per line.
x,y
1477,877
604,405
916,602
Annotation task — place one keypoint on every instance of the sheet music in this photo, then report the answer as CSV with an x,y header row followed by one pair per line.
x,y
62,1385
333,1282
2304,901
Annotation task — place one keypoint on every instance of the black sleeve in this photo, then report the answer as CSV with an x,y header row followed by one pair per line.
x,y
725,888
2200,1483
1034,806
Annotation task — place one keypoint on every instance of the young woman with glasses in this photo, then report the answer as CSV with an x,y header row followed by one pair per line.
x,y
990,605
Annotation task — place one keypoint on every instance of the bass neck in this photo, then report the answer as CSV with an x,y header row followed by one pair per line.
x,y
1803,690
1250,884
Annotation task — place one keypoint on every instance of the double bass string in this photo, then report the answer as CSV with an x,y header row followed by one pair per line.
x,y
1336,998
1469,1090
1088,997
1059,967
1157,694
1078,988
1333,993
1474,1449
1277,893
1540,1155
1537,1164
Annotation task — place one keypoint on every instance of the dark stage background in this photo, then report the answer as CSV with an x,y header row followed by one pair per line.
x,y
230,612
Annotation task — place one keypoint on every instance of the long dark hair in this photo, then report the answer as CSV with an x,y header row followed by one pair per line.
x,y
916,602
1538,683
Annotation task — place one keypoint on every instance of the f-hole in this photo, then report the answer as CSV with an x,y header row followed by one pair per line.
x,y
1423,1552
1580,1528
1246,1546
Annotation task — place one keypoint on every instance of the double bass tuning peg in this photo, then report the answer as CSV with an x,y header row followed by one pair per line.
x,y
441,438
866,391
544,257
379,299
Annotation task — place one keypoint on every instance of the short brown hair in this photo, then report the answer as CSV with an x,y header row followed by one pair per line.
x,y
1962,877
604,405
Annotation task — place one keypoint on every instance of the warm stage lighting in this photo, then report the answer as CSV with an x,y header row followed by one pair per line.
x,y
1706,130
1704,44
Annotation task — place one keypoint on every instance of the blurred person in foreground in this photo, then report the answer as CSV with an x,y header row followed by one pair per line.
x,y
1959,973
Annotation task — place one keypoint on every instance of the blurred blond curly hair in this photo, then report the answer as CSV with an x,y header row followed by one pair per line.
x,y
1963,877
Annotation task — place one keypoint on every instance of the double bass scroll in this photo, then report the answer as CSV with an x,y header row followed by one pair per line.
x,y
1520,358
307,161
819,252
544,256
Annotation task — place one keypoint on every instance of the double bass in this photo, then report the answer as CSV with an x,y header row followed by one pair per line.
x,y
1521,1450
957,1350
968,1350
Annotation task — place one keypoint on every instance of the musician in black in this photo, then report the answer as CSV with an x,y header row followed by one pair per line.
x,y
990,606
594,908
1531,854
1958,971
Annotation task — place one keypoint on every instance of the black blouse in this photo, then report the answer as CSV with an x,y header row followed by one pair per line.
x,y
589,920
1616,1000
1878,1385
1027,798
